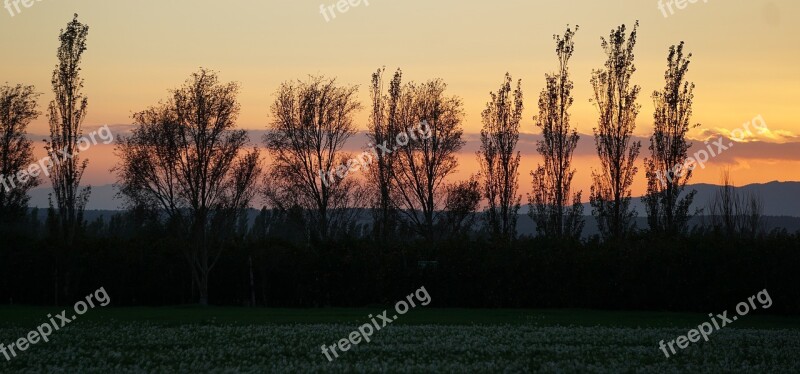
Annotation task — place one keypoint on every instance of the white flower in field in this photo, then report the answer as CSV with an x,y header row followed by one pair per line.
x,y
144,347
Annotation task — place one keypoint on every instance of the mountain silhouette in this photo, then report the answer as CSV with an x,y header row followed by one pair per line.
x,y
780,199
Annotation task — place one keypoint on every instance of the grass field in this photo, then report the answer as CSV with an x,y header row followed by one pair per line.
x,y
191,339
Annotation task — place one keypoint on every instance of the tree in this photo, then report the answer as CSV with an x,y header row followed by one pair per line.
x,y
66,114
462,200
17,110
615,98
667,211
499,159
552,182
384,128
312,122
734,214
424,164
186,161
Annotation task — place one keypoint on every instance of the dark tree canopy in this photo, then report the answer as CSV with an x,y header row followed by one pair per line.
x,y
552,181
312,121
615,98
17,109
423,164
187,162
383,128
667,175
66,114
499,159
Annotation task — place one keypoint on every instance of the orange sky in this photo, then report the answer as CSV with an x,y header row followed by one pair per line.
x,y
745,60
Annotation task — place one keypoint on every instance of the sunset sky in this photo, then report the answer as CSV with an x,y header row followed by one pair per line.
x,y
746,60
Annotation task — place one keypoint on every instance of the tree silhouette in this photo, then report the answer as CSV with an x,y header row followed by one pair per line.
x,y
552,182
615,98
186,161
463,199
423,164
17,110
499,159
383,129
312,122
667,211
734,214
66,114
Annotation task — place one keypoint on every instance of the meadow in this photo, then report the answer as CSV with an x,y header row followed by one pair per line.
x,y
192,339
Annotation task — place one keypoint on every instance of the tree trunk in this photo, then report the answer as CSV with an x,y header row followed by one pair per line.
x,y
203,288
252,283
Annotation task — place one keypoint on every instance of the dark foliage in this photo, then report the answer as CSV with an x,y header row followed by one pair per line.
x,y
140,263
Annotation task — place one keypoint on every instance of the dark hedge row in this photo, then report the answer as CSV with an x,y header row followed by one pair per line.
x,y
702,272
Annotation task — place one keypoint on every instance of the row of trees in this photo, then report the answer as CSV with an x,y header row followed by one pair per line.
x,y
66,113
186,166
18,108
141,262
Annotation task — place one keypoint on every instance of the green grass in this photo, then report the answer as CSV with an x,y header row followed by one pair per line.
x,y
23,315
255,340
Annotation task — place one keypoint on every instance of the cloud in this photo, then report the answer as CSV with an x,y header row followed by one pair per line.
x,y
761,148
753,149
745,136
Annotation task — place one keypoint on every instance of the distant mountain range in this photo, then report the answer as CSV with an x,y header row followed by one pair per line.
x,y
781,206
779,198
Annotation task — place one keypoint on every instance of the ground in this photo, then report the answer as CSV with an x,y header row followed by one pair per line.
x,y
193,339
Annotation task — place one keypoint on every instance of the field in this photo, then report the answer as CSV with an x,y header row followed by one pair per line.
x,y
169,340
